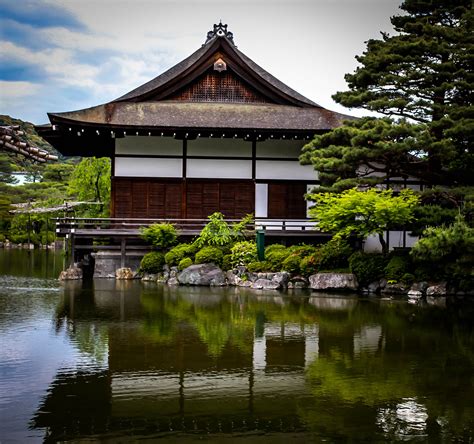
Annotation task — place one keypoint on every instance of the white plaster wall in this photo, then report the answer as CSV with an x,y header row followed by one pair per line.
x,y
219,147
279,148
147,167
152,146
261,200
284,170
219,169
372,244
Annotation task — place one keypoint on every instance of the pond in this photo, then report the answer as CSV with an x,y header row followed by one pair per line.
x,y
122,361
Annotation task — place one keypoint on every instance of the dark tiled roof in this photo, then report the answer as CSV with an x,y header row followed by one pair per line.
x,y
204,115
218,43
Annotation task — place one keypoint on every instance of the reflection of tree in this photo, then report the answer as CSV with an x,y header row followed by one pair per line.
x,y
415,381
227,321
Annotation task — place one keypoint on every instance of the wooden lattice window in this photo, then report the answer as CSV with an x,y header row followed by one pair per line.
x,y
219,87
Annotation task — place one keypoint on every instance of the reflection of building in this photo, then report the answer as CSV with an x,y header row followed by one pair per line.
x,y
159,374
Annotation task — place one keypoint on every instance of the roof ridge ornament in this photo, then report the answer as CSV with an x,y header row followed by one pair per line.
x,y
220,30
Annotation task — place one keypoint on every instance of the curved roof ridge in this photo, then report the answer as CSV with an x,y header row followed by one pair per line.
x,y
189,61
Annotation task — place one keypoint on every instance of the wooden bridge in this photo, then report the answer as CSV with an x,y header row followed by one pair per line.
x,y
122,234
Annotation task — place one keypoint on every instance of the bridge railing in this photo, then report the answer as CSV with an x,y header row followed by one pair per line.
x,y
109,226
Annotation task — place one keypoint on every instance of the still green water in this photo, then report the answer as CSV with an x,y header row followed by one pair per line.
x,y
109,361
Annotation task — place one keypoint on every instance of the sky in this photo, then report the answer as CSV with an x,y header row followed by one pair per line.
x,y
64,55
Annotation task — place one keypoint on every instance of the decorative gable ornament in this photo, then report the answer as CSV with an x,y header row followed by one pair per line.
x,y
220,65
220,30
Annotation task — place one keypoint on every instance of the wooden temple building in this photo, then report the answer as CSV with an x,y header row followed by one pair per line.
x,y
216,132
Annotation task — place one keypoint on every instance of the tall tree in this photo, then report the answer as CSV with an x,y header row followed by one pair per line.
x,y
90,181
422,79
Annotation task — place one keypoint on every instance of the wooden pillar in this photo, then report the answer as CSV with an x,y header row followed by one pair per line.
x,y
123,252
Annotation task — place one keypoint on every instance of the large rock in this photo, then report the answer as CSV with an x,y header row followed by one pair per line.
x,y
437,290
72,273
202,274
396,288
333,281
125,274
265,284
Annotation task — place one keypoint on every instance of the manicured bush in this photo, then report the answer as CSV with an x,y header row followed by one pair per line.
x,y
310,264
159,235
152,262
243,253
259,266
269,249
367,267
303,250
185,263
227,262
408,278
397,267
448,251
209,254
276,258
179,252
335,254
292,263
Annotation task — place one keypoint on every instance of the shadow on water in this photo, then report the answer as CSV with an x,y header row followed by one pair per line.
x,y
186,364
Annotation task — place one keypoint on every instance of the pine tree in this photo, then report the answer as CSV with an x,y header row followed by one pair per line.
x,y
422,79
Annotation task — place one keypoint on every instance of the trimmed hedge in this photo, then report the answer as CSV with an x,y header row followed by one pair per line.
x,y
152,262
209,254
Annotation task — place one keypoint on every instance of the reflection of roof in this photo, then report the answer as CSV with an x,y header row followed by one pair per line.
x,y
204,116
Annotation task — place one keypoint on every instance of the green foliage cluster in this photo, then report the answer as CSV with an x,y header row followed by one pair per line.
x,y
218,232
152,262
242,253
362,213
185,263
448,251
397,267
179,252
368,267
421,74
259,266
161,236
209,254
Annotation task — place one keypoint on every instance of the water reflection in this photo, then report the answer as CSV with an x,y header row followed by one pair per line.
x,y
121,360
210,361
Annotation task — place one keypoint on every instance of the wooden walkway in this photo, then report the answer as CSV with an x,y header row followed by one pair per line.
x,y
119,234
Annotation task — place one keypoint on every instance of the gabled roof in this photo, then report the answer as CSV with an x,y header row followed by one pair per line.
x,y
193,65
216,87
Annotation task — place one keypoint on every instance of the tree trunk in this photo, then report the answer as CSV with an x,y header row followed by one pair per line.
x,y
383,243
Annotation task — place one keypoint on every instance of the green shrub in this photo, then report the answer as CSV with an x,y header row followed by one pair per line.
x,y
291,264
227,262
185,263
367,267
276,258
303,250
259,266
2,237
179,252
209,254
160,235
152,262
310,264
218,232
408,278
335,254
397,267
243,253
269,249
448,250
